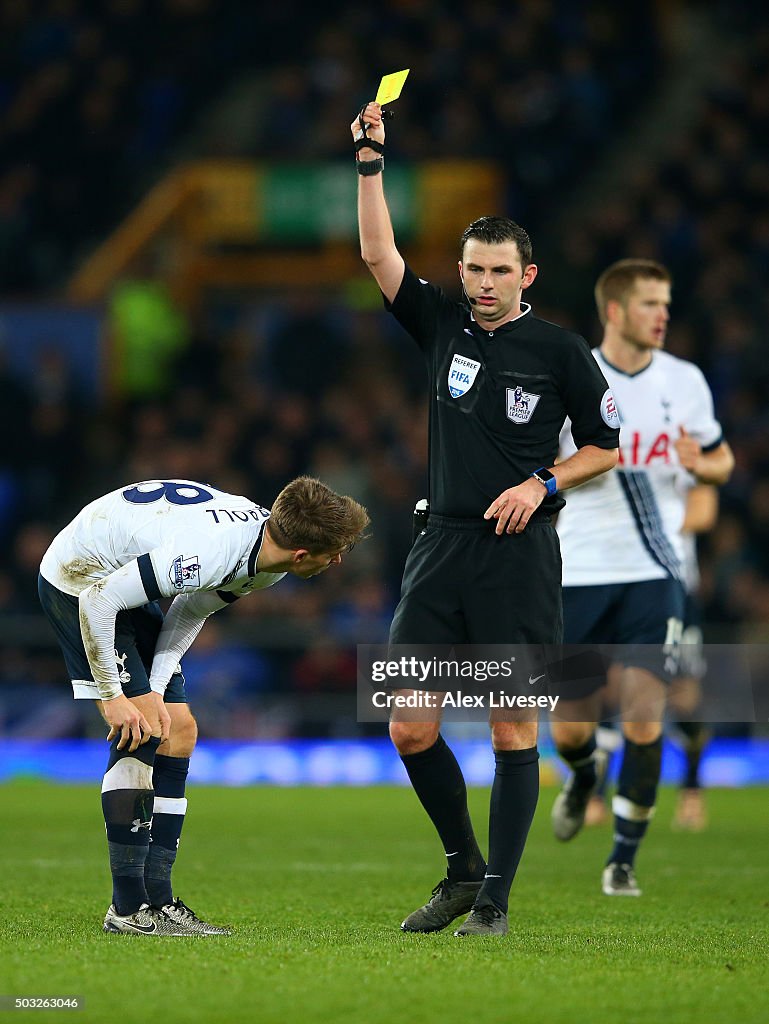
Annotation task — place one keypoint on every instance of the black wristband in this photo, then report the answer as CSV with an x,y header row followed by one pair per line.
x,y
369,167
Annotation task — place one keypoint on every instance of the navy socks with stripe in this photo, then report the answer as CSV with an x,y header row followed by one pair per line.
x,y
581,760
169,779
633,805
127,803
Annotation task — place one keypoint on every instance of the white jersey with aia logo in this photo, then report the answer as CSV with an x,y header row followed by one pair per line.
x,y
625,526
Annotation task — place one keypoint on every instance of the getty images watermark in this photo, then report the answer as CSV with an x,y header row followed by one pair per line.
x,y
457,682
525,681
409,672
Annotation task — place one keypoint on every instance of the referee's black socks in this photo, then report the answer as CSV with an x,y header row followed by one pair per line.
x,y
438,782
514,795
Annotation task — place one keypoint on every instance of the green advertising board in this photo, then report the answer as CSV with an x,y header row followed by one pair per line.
x,y
299,203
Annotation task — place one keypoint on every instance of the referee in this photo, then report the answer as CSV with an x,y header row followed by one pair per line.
x,y
487,568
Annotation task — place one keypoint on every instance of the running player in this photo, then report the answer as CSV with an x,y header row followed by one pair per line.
x,y
622,549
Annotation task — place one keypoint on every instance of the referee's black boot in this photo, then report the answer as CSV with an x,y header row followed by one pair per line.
x,y
449,900
484,920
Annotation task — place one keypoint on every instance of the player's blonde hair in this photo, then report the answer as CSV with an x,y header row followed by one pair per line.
x,y
617,282
307,514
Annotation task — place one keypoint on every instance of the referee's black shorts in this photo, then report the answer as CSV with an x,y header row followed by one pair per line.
x,y
463,584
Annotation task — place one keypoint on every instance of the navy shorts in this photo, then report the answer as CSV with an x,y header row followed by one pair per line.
x,y
463,584
644,620
136,635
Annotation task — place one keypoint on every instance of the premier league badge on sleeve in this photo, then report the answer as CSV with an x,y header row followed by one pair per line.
x,y
521,404
462,374
184,572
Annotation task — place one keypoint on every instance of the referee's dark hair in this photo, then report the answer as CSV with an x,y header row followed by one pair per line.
x,y
494,231
307,514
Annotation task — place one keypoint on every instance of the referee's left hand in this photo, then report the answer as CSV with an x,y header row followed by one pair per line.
x,y
515,506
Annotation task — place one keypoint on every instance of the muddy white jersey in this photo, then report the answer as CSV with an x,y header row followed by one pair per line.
x,y
625,526
187,536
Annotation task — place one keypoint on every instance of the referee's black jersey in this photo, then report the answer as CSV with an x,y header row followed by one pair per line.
x,y
499,398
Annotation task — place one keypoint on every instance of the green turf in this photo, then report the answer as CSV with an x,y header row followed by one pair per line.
x,y
316,882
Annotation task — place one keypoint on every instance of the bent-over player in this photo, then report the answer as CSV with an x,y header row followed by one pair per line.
x,y
99,584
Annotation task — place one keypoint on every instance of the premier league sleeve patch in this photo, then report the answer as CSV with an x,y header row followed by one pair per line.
x,y
521,404
462,374
184,573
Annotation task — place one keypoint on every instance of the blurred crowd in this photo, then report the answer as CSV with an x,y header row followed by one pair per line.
x,y
538,85
255,392
95,95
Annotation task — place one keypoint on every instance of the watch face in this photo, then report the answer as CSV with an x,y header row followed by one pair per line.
x,y
547,479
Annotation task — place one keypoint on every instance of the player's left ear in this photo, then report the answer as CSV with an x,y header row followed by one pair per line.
x,y
298,556
528,275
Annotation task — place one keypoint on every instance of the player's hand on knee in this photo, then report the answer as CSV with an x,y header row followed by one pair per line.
x,y
125,718
164,719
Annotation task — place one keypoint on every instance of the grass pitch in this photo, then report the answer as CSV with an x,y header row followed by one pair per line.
x,y
316,882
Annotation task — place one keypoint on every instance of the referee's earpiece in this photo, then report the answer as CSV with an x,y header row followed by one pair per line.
x,y
473,302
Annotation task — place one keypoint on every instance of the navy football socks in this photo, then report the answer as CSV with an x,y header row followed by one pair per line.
x,y
169,778
695,737
581,760
127,800
633,805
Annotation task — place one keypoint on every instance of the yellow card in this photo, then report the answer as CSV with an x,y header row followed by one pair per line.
x,y
390,87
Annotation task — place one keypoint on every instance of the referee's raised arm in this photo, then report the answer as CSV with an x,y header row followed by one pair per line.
x,y
377,241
